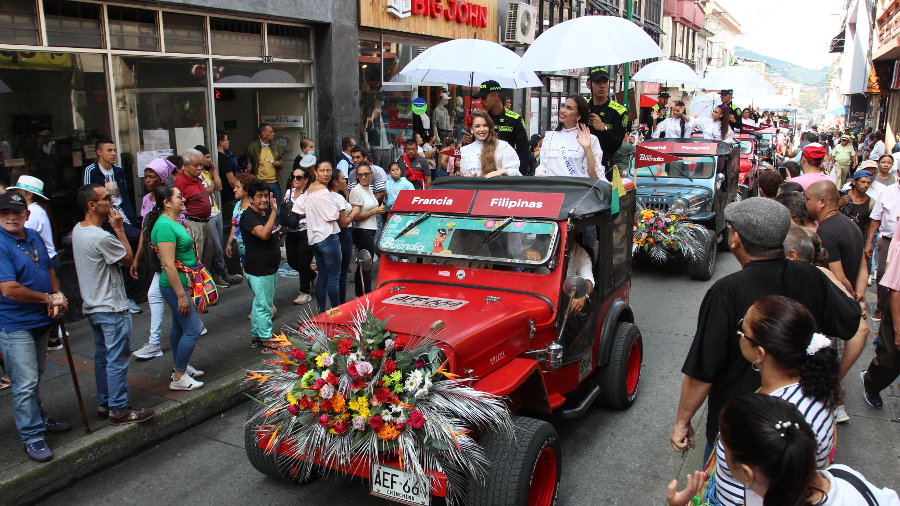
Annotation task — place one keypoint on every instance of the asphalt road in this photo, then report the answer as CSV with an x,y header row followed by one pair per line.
x,y
609,457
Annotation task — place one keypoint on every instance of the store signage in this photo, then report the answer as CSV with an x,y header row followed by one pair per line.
x,y
267,59
505,203
435,201
454,11
419,106
283,121
651,88
645,157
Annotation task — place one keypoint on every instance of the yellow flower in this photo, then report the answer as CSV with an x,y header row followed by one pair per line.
x,y
291,398
361,406
320,358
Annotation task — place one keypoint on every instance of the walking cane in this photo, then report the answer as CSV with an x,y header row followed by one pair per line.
x,y
65,337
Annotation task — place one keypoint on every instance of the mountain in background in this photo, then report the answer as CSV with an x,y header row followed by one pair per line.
x,y
787,69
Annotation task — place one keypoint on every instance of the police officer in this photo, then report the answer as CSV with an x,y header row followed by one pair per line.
x,y
734,117
509,125
609,119
656,114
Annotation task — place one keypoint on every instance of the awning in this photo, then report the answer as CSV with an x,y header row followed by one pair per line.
x,y
605,8
838,111
837,43
652,27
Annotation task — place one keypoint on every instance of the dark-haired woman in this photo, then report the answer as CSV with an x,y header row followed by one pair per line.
x,y
487,156
571,150
296,245
676,126
176,252
777,337
713,127
772,449
338,187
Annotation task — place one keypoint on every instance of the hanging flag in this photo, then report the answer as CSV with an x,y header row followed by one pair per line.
x,y
618,190
645,157
647,101
746,129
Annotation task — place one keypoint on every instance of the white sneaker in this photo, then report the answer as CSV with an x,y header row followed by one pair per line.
x,y
194,373
303,298
840,414
203,329
185,383
148,351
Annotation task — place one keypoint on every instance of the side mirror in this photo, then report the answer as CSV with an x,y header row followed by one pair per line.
x,y
720,179
575,287
364,258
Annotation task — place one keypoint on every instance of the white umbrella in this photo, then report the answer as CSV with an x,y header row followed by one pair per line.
x,y
469,62
588,41
667,71
703,103
405,83
744,81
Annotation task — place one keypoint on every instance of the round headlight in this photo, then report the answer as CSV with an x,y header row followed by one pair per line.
x,y
678,206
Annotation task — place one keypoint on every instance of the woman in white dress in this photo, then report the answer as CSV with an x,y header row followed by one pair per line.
x,y
571,150
487,156
713,127
747,117
676,126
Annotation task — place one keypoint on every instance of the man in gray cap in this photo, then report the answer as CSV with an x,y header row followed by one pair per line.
x,y
715,367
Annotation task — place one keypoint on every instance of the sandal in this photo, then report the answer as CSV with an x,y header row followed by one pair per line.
x,y
5,383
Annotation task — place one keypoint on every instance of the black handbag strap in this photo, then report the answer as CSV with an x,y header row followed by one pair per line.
x,y
857,484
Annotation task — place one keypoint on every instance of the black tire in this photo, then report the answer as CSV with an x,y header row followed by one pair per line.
x,y
702,268
724,238
272,464
513,464
617,389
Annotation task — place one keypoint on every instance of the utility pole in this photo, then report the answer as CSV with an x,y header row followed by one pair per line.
x,y
628,16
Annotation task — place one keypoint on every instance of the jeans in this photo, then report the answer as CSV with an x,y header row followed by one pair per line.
x,y
346,239
217,255
185,329
885,366
261,309
111,357
299,257
25,352
157,310
328,263
364,240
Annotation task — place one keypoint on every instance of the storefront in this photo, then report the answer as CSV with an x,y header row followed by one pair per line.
x,y
157,79
391,34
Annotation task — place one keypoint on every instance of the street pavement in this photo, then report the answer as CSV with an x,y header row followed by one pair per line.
x,y
609,457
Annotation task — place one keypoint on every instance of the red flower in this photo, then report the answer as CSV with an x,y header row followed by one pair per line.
x,y
298,354
420,363
333,380
301,369
284,368
416,419
344,346
382,394
319,383
294,410
340,428
325,405
389,366
399,427
400,342
358,383
305,403
323,420
377,354
351,370
376,423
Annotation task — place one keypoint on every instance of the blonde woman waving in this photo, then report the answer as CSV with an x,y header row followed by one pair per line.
x,y
487,156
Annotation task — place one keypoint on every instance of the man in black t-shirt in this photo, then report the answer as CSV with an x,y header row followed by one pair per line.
x,y
263,255
841,238
715,367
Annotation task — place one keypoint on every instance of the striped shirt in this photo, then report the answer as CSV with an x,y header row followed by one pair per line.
x,y
820,418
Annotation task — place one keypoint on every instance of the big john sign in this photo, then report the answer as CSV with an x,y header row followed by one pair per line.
x,y
450,19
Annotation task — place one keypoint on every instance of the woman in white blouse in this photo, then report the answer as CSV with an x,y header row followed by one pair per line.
x,y
571,150
713,127
487,156
676,126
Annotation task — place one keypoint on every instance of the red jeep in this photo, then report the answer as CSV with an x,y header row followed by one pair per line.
x,y
488,260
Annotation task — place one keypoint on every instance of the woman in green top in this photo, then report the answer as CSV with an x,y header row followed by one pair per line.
x,y
174,243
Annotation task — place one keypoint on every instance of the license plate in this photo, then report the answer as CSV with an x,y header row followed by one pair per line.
x,y
400,486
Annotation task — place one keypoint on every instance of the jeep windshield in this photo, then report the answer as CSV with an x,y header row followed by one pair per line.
x,y
460,237
693,167
746,147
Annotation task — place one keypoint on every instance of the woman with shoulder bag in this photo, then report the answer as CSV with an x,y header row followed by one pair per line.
x,y
296,243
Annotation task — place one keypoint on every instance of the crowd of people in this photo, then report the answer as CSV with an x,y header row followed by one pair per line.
x,y
809,247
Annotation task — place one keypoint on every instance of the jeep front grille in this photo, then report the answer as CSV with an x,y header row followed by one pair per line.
x,y
656,205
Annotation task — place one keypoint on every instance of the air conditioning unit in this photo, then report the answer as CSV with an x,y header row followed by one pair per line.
x,y
521,22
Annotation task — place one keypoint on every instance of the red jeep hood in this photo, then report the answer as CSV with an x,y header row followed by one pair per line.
x,y
482,335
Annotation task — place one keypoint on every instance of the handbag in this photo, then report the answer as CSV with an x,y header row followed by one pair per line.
x,y
201,286
286,215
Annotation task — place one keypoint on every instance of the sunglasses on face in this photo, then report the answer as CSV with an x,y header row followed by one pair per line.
x,y
364,174
298,178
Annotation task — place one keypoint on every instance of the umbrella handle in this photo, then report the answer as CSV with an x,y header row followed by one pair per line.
x,y
65,338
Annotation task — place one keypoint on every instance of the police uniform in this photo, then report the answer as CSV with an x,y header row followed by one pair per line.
x,y
510,127
614,115
736,124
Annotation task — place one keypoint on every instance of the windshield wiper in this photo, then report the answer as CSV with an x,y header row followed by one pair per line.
x,y
494,233
413,224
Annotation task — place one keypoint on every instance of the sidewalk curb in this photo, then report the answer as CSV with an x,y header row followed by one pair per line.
x,y
31,481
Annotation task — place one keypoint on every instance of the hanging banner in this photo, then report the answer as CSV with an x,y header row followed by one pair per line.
x,y
644,157
647,101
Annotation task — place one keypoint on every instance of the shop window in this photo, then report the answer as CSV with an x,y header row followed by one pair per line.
x,y
234,37
288,42
18,22
73,24
238,72
184,33
132,28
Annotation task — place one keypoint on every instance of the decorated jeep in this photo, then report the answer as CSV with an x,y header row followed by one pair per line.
x,y
483,309
683,186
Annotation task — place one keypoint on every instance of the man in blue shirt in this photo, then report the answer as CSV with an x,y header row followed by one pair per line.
x,y
29,301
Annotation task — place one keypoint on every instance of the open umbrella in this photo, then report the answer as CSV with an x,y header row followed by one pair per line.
x,y
666,71
703,103
588,41
744,81
467,62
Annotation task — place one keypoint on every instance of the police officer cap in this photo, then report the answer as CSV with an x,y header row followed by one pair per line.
x,y
726,92
487,87
759,221
595,74
664,94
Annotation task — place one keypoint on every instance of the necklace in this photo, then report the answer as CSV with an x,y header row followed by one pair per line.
x,y
33,256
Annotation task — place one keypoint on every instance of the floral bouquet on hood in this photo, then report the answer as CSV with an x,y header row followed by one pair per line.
x,y
360,392
661,235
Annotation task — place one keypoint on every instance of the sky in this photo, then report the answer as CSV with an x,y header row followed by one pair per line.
x,y
798,31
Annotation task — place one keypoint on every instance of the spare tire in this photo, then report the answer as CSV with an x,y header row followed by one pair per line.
x,y
702,267
268,463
